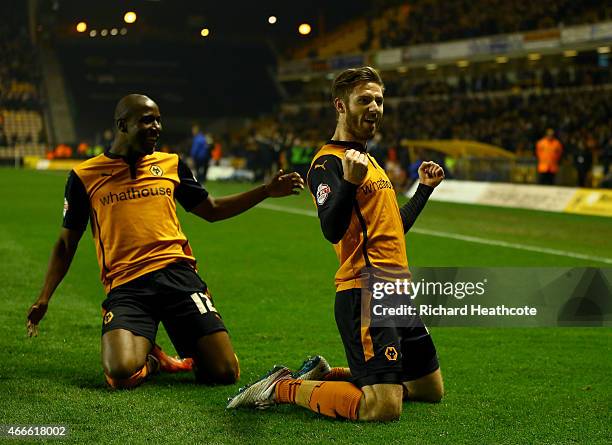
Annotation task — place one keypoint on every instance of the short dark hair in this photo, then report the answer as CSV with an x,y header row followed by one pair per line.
x,y
348,79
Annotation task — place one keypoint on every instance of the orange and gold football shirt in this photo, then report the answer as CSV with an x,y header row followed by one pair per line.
x,y
373,233
132,211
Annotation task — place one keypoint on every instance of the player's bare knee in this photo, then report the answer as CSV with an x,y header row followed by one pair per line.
x,y
221,374
429,389
435,396
226,375
229,371
429,395
435,392
439,395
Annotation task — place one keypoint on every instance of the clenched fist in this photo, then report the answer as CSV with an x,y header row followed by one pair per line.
x,y
430,174
355,166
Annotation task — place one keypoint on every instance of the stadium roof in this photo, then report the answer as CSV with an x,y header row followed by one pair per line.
x,y
227,20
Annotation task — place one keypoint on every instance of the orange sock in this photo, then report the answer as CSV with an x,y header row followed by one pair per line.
x,y
286,390
332,399
338,374
149,368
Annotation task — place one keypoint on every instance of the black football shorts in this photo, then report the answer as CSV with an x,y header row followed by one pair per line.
x,y
174,295
382,354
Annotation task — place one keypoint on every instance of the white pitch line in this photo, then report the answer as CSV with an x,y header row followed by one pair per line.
x,y
293,210
471,239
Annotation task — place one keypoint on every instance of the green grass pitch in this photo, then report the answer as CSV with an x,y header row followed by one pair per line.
x,y
272,277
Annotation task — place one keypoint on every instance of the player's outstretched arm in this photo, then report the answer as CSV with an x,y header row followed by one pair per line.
x,y
217,209
61,257
430,176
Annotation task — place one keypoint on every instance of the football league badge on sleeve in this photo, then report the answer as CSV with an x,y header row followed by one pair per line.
x,y
323,192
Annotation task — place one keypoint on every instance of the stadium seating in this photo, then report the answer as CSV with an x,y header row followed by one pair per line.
x,y
22,126
21,118
427,21
394,23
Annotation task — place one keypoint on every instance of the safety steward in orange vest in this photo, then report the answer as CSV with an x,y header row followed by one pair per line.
x,y
548,152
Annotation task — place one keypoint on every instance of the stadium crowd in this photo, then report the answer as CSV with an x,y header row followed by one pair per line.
x,y
581,118
499,81
514,122
465,83
476,109
431,21
509,106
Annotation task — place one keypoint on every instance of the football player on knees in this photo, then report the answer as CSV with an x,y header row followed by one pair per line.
x,y
359,214
148,269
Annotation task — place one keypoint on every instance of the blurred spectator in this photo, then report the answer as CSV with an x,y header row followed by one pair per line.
x,y
107,139
266,154
82,149
253,159
583,161
414,170
377,150
301,153
95,150
548,151
217,152
59,152
395,171
606,156
200,154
